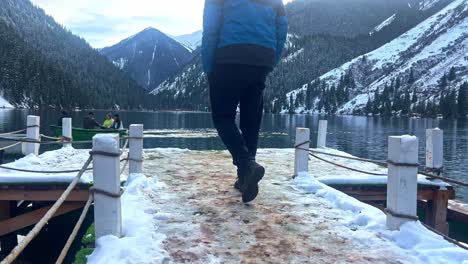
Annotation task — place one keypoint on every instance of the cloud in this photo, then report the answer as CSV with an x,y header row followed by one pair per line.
x,y
103,23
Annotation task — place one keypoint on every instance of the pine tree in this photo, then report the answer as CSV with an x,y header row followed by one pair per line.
x,y
291,105
376,103
443,106
463,100
411,77
369,107
397,83
308,99
452,74
443,82
414,98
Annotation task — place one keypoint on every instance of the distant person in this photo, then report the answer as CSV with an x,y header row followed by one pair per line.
x,y
109,122
64,114
242,42
118,124
89,122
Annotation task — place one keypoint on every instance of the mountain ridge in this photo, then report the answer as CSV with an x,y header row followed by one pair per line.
x,y
149,56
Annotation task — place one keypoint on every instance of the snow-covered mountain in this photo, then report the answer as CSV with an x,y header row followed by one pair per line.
x,y
418,62
191,41
149,57
426,4
349,18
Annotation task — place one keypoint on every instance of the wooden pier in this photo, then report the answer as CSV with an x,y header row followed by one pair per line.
x,y
435,205
31,201
23,204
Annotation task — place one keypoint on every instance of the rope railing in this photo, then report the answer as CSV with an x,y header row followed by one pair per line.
x,y
42,172
55,171
62,142
377,162
126,159
432,176
13,132
50,213
451,240
63,139
74,233
10,146
346,167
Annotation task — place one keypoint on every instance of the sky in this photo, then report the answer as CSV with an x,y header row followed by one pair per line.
x,y
104,23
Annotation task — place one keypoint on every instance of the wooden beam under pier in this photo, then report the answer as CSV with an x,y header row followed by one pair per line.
x,y
16,223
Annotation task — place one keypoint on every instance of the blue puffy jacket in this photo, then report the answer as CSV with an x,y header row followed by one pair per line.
x,y
251,32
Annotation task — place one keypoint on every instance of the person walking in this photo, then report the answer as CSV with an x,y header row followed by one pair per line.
x,y
242,42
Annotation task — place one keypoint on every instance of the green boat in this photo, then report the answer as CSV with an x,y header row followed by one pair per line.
x,y
81,134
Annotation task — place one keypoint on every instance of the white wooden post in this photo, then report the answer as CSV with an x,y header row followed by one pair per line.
x,y
436,210
33,133
301,160
136,149
106,177
322,134
402,183
434,149
67,130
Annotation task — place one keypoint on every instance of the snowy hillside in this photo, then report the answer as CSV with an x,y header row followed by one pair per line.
x,y
416,62
4,103
426,4
190,41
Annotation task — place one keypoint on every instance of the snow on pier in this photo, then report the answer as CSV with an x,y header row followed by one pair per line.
x,y
197,217
186,210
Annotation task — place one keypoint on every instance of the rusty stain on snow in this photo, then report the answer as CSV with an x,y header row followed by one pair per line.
x,y
207,222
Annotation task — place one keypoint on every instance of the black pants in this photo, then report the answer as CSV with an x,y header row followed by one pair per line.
x,y
233,85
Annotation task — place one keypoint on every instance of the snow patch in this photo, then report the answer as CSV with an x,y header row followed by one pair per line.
x,y
120,63
412,238
293,55
4,103
384,24
140,242
190,41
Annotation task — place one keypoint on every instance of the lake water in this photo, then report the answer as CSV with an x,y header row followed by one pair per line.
x,y
364,137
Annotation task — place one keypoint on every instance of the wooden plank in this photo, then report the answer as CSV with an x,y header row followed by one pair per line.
x,y
42,195
31,218
380,194
4,210
8,242
457,211
436,212
369,198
